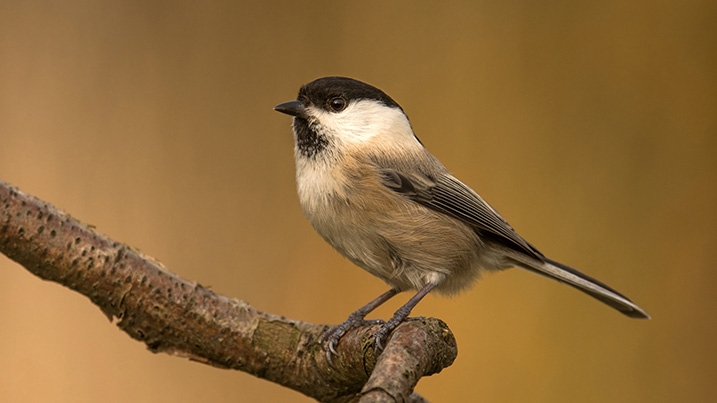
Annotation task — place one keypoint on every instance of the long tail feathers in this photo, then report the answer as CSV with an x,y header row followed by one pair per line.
x,y
586,284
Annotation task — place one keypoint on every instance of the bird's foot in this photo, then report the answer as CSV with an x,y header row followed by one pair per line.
x,y
381,335
330,338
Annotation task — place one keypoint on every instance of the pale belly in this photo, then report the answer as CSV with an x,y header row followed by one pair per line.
x,y
401,242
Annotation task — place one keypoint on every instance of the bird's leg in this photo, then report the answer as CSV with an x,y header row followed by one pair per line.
x,y
332,336
399,316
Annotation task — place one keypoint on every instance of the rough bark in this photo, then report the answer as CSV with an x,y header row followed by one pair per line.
x,y
180,317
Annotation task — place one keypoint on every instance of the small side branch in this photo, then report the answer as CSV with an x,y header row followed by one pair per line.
x,y
179,317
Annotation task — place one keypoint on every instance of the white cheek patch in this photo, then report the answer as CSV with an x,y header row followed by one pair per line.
x,y
363,120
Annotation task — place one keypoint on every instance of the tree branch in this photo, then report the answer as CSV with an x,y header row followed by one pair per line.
x,y
179,317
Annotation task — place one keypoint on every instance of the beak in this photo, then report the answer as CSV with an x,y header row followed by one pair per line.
x,y
293,108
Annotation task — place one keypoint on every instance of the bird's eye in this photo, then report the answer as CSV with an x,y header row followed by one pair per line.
x,y
337,104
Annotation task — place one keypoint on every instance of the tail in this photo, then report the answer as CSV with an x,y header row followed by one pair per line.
x,y
584,283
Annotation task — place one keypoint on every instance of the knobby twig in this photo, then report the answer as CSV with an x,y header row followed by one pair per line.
x,y
179,317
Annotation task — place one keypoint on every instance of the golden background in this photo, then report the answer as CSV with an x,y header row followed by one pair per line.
x,y
591,126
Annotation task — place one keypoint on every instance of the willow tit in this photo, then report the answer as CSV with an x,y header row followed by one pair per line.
x,y
374,193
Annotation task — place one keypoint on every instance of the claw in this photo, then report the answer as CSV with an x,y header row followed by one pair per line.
x,y
331,337
382,334
377,346
331,347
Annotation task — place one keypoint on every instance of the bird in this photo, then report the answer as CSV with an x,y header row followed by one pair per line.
x,y
371,190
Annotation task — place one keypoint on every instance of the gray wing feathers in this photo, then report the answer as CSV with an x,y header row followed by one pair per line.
x,y
455,196
450,196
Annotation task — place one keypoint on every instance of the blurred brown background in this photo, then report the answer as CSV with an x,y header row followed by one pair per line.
x,y
589,125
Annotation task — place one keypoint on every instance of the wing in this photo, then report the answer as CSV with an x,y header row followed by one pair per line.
x,y
449,196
